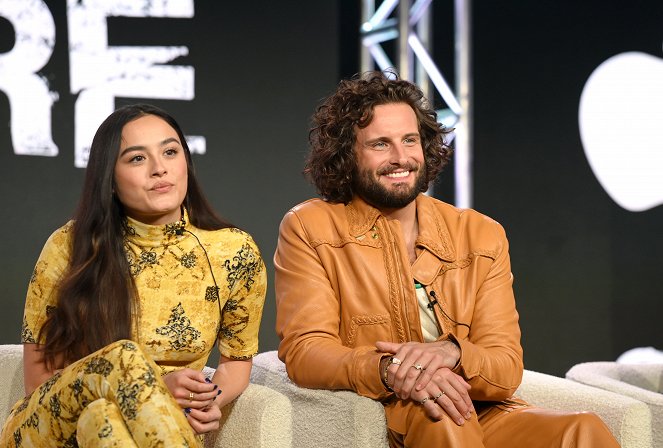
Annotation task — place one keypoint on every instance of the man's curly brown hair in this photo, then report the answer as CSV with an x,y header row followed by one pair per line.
x,y
331,164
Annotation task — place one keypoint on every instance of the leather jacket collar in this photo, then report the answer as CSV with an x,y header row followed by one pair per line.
x,y
433,233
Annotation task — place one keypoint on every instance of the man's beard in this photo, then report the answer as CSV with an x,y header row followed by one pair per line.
x,y
376,194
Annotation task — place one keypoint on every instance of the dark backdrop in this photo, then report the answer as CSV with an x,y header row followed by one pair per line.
x,y
587,273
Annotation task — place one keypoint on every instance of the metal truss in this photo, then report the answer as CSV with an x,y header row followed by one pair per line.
x,y
411,27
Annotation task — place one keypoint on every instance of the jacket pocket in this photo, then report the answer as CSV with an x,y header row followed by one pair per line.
x,y
365,330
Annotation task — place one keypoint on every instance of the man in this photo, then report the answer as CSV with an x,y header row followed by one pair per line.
x,y
399,297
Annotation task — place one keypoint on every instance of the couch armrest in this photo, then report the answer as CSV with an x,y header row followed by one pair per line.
x,y
642,382
629,420
323,417
259,417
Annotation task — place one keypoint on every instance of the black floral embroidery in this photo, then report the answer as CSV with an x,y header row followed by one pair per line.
x,y
226,333
18,438
100,366
128,229
49,310
54,406
231,305
129,346
145,259
46,387
149,377
77,387
189,260
23,405
71,442
106,431
134,268
127,399
148,257
212,294
32,421
26,334
244,267
179,329
231,331
175,228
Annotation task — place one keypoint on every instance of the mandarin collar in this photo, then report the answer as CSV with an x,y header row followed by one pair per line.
x,y
155,235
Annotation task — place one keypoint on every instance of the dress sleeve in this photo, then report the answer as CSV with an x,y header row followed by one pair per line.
x,y
241,315
41,297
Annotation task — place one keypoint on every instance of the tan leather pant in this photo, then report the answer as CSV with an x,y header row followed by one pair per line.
x,y
513,424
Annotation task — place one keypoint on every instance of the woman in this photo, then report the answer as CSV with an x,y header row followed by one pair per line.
x,y
128,299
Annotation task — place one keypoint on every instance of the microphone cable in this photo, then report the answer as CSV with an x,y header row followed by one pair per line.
x,y
434,301
180,231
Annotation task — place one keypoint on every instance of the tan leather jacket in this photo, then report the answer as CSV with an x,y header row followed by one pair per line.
x,y
344,281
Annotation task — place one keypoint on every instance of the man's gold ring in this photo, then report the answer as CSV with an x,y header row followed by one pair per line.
x,y
426,399
191,396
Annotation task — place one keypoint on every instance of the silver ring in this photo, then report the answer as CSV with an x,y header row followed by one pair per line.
x,y
418,367
426,399
438,395
396,361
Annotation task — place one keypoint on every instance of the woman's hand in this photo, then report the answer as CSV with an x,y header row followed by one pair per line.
x,y
191,389
204,410
206,419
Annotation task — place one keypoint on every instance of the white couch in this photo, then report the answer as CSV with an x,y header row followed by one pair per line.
x,y
274,412
335,419
641,382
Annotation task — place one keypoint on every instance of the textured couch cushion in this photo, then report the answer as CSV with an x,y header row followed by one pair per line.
x,y
321,416
260,417
629,419
324,418
642,382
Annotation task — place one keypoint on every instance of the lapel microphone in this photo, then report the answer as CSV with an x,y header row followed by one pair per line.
x,y
432,303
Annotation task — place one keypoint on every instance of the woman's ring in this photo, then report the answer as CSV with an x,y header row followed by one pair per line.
x,y
438,395
426,399
418,366
396,361
191,396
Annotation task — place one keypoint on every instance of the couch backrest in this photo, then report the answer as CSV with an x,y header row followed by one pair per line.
x,y
11,377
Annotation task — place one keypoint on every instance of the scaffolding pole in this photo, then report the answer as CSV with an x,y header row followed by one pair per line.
x,y
411,26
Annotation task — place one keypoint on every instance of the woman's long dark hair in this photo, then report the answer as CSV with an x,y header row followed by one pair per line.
x,y
96,296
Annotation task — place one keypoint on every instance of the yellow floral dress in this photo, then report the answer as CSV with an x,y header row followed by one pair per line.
x,y
196,288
